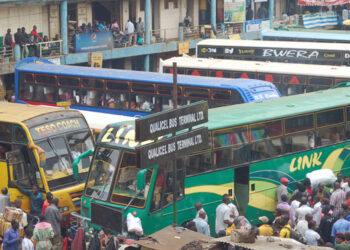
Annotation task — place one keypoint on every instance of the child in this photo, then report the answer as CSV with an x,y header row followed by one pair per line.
x,y
27,243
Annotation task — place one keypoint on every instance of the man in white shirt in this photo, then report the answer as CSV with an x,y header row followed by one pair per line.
x,y
130,30
311,236
302,225
199,207
303,210
223,212
346,186
234,212
317,211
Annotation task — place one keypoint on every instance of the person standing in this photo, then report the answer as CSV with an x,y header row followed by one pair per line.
x,y
302,210
11,237
201,225
8,41
24,221
27,243
317,209
223,212
285,207
262,12
286,228
337,199
47,202
282,189
199,207
321,192
346,186
4,199
312,238
326,224
43,233
35,32
53,216
130,29
303,225
25,42
341,225
140,29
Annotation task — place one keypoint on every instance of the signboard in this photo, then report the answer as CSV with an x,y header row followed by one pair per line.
x,y
184,48
57,127
170,121
171,148
88,42
322,2
253,25
232,52
96,59
234,11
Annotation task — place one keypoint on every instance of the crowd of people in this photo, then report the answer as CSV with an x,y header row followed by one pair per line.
x,y
132,34
318,216
27,41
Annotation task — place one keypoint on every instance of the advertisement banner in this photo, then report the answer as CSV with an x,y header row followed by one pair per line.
x,y
322,2
234,11
88,42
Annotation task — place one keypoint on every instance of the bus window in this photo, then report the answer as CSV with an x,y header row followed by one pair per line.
x,y
299,142
5,132
197,164
118,86
4,148
101,173
68,95
28,78
45,93
196,72
245,75
332,135
220,98
143,88
266,130
200,93
266,149
290,79
22,170
26,91
92,98
125,190
143,103
45,79
228,157
19,135
330,117
299,124
68,81
220,73
326,82
92,83
230,137
80,142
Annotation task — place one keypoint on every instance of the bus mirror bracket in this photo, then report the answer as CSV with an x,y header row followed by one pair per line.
x,y
41,153
141,179
77,160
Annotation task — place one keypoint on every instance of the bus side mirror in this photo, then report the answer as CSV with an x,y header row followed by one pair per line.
x,y
41,152
141,179
77,160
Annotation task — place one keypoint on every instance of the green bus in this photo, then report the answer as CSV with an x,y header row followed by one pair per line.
x,y
252,146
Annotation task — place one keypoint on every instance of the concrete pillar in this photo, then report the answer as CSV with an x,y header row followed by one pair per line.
x,y
181,33
64,26
147,29
17,52
271,12
213,14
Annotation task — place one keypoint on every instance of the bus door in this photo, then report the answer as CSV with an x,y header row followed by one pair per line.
x,y
241,188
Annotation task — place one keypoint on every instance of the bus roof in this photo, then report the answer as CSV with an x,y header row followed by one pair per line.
x,y
278,108
14,112
225,83
275,44
259,66
308,35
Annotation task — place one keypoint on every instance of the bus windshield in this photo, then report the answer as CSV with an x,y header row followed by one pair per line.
x,y
60,152
101,173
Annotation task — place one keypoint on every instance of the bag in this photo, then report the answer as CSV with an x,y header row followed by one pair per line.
x,y
139,41
243,236
134,224
296,235
325,176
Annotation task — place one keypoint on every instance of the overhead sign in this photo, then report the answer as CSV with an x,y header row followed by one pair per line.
x,y
166,122
171,148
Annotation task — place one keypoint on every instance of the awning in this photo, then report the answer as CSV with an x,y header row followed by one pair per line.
x,y
322,2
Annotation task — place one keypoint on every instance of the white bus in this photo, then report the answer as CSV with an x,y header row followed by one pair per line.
x,y
277,51
289,78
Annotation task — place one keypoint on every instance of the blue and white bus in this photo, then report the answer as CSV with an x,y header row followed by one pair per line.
x,y
129,93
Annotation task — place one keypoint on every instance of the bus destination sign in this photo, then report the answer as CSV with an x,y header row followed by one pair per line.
x,y
171,148
153,126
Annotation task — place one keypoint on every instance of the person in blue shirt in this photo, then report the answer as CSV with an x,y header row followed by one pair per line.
x,y
11,237
201,225
341,225
36,198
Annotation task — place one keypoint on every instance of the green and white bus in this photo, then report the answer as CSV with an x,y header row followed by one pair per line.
x,y
252,146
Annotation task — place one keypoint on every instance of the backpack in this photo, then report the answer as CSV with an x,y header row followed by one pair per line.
x,y
296,235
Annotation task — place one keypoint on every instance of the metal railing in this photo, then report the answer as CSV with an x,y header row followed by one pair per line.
x,y
50,49
226,29
6,54
164,35
192,32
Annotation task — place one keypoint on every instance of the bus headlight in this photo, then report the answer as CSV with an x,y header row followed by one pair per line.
x,y
64,209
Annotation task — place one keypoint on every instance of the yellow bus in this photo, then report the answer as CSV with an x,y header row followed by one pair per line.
x,y
37,147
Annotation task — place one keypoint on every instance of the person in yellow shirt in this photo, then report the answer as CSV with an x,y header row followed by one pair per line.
x,y
286,228
265,229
